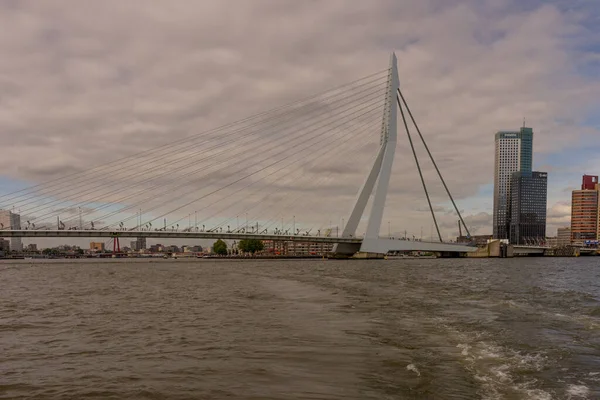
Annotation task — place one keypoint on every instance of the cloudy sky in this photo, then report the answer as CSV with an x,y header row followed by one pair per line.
x,y
85,83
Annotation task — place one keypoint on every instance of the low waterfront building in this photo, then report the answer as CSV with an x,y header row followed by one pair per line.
x,y
97,246
4,247
563,236
293,248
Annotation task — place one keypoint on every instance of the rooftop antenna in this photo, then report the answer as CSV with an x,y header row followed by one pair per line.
x,y
523,122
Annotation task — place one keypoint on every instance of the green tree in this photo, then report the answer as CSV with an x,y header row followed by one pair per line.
x,y
50,252
251,245
220,247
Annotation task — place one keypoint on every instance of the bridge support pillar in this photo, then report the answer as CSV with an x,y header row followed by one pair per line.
x,y
345,250
116,245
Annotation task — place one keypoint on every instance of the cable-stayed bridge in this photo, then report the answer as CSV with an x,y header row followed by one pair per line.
x,y
278,175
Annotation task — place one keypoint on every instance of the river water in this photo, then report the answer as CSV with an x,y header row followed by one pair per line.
x,y
311,329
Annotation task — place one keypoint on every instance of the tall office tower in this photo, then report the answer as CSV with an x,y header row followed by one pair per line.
x,y
10,220
585,211
527,208
514,152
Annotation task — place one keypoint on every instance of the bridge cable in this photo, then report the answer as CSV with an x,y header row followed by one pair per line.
x,y
419,169
287,210
237,180
258,203
370,109
187,138
307,147
433,161
185,157
267,223
214,155
250,157
187,146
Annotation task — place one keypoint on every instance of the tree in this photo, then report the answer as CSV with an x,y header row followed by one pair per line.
x,y
50,252
220,247
251,245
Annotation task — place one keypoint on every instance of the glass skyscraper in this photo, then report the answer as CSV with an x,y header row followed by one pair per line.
x,y
527,209
514,152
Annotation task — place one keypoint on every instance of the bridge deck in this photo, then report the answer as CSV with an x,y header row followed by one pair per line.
x,y
381,245
171,234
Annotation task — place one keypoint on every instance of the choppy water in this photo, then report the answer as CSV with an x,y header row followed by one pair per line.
x,y
402,329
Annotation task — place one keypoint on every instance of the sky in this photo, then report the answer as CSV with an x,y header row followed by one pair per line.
x,y
82,84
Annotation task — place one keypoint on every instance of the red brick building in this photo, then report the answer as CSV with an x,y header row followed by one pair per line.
x,y
585,211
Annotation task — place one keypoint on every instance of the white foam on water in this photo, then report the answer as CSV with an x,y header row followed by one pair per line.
x,y
465,348
593,377
590,323
537,394
511,303
496,367
501,373
413,368
534,362
578,392
490,351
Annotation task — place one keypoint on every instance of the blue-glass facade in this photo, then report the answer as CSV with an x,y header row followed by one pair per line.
x,y
527,208
526,136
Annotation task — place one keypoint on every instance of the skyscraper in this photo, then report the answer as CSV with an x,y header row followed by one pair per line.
x,y
527,209
514,152
585,211
10,220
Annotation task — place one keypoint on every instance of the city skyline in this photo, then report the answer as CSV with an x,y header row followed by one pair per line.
x,y
153,87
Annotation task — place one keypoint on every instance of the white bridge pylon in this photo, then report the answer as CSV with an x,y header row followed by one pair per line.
x,y
377,183
379,174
